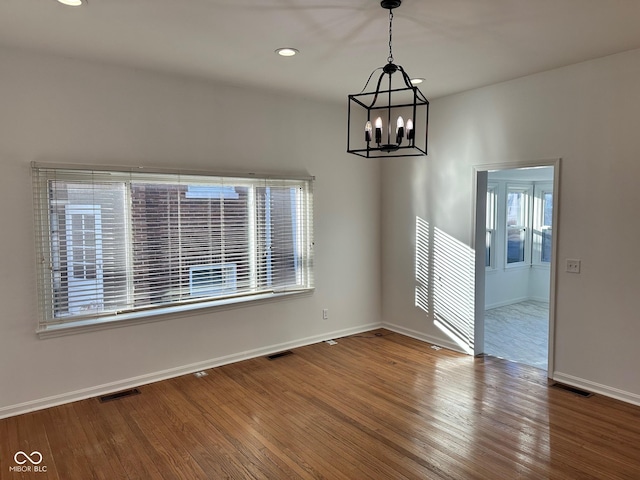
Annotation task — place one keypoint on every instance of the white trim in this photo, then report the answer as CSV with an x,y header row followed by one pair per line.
x,y
54,400
159,314
172,171
515,266
540,299
489,167
423,337
598,388
511,301
541,266
557,169
517,300
556,163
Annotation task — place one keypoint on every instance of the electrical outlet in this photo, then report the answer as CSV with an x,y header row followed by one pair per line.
x,y
325,313
573,266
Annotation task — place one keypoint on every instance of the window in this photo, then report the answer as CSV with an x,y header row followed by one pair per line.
x,y
543,222
113,242
517,219
492,212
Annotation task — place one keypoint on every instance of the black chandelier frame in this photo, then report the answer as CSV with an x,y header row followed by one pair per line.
x,y
387,104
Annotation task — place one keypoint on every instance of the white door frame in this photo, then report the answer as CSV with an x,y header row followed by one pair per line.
x,y
480,177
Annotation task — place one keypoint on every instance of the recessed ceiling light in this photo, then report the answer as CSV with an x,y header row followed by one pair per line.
x,y
287,52
73,3
416,81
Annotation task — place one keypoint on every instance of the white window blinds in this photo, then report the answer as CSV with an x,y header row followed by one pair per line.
x,y
111,242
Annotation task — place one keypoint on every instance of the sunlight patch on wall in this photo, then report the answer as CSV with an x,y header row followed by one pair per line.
x,y
422,265
453,289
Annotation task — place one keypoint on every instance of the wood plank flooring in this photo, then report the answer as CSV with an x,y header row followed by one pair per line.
x,y
370,407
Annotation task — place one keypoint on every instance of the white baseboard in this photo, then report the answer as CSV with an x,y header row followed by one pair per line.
x,y
421,336
590,386
52,401
560,377
540,299
515,300
511,301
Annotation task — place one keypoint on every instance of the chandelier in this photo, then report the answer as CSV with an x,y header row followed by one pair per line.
x,y
392,115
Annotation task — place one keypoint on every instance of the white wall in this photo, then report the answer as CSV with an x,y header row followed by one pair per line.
x,y
60,110
587,114
508,286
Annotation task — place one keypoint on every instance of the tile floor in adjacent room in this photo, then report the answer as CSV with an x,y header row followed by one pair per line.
x,y
518,332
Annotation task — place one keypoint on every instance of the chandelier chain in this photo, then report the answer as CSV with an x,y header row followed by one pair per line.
x,y
390,57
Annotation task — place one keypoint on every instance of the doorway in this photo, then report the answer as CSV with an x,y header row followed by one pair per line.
x,y
516,226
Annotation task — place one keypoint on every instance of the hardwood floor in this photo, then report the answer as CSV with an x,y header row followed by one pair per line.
x,y
380,407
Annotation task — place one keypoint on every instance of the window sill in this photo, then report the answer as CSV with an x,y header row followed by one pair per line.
x,y
517,266
541,266
156,315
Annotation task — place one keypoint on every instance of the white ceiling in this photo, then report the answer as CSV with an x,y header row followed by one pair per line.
x,y
454,44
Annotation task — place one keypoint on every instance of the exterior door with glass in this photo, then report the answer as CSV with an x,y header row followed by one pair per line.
x,y
84,258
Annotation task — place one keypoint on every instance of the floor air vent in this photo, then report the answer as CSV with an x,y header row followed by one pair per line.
x,y
117,395
279,354
568,388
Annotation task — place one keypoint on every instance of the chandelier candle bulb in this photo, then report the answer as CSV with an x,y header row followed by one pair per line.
x,y
367,132
378,130
399,130
409,130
